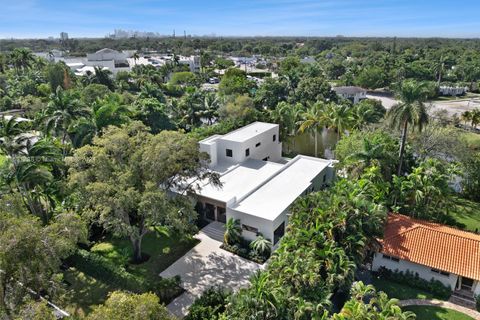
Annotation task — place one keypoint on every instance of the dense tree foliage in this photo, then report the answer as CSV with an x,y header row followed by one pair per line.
x,y
110,148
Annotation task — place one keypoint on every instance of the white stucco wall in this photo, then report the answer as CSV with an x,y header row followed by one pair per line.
x,y
264,226
423,271
267,148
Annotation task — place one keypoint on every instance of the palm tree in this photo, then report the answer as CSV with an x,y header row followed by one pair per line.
x,y
475,117
339,118
411,110
22,58
232,231
314,120
13,135
62,111
261,246
135,58
466,117
210,107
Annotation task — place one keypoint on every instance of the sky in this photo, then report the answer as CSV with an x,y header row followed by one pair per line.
x,y
97,18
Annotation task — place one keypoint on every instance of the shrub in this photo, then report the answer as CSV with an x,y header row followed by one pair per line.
x,y
209,306
413,280
243,249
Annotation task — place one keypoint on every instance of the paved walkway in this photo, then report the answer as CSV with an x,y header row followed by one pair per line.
x,y
207,265
438,303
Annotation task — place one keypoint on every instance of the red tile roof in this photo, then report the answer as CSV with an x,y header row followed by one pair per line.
x,y
433,245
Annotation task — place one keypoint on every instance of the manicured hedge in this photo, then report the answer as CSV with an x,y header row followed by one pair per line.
x,y
413,280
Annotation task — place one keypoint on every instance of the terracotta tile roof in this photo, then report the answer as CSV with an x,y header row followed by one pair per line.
x,y
433,245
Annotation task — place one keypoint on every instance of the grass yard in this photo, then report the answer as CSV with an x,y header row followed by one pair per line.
x,y
85,291
163,252
436,313
467,213
400,291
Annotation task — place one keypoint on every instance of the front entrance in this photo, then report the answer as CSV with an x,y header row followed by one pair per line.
x,y
214,212
466,284
221,215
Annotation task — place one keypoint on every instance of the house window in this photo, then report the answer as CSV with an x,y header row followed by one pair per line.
x,y
258,145
229,153
324,177
274,137
247,152
443,273
390,258
278,233
249,228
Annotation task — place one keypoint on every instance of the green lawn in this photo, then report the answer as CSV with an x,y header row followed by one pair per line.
x,y
436,313
86,291
467,213
163,252
400,291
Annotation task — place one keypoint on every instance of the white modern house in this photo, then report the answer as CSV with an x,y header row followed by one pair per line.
x,y
355,94
432,250
258,185
114,60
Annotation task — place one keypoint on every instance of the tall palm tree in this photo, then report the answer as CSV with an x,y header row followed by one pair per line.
x,y
410,111
313,119
62,111
232,231
339,118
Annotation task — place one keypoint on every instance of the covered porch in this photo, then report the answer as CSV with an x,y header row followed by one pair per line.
x,y
212,210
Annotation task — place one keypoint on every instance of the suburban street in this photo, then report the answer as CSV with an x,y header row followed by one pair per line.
x,y
453,107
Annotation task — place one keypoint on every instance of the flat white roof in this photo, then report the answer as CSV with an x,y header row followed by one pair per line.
x,y
248,132
240,180
278,193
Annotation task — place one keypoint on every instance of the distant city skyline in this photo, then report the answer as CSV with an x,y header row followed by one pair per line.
x,y
356,18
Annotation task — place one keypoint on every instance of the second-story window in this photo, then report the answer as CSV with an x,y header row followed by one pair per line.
x,y
274,137
247,152
229,153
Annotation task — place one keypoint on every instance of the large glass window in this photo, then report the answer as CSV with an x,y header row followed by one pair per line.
x,y
209,211
278,233
249,228
221,215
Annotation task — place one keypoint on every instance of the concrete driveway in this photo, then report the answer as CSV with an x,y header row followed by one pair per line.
x,y
207,265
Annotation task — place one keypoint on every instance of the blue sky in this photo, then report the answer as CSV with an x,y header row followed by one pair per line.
x,y
80,18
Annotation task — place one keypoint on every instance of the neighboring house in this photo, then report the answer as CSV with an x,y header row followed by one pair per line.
x,y
432,250
114,60
258,184
452,91
355,94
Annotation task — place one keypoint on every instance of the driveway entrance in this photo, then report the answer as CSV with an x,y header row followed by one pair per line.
x,y
207,265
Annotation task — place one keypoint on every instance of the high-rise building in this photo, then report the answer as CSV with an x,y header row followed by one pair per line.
x,y
63,36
